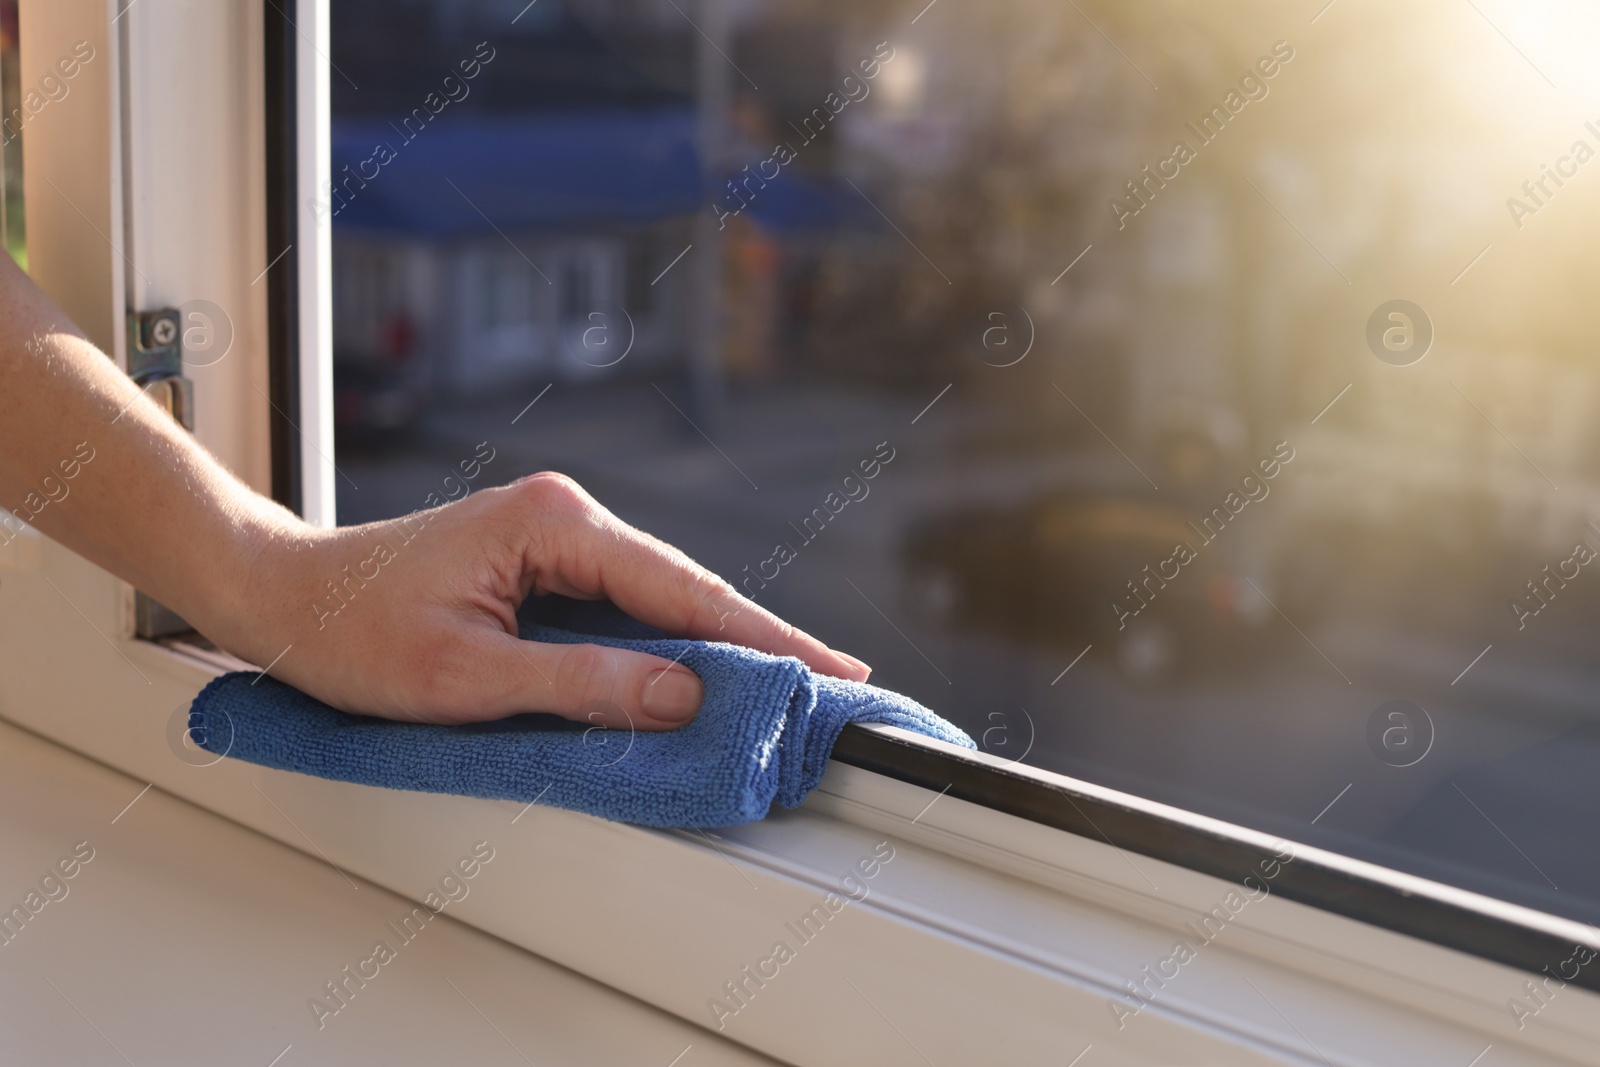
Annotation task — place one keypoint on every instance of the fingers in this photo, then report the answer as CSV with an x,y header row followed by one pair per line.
x,y
584,550
659,585
595,684
735,619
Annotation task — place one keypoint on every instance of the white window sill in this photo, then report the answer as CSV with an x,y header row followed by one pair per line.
x,y
187,940
986,939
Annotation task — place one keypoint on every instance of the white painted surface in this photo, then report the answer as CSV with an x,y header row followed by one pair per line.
x,y
986,940
194,187
315,249
187,939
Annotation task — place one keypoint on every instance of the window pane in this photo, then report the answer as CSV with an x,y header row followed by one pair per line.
x,y
1200,400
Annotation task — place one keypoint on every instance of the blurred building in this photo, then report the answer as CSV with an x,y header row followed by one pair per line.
x,y
493,251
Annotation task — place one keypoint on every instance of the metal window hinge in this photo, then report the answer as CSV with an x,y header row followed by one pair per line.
x,y
155,363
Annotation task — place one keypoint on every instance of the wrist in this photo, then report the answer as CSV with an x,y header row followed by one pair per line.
x,y
266,570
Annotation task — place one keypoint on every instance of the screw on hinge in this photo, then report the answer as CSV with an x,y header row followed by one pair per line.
x,y
155,362
164,331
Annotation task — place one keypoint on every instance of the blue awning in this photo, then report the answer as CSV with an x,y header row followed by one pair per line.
x,y
521,172
465,176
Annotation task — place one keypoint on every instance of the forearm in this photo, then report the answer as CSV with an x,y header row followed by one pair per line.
x,y
359,616
90,461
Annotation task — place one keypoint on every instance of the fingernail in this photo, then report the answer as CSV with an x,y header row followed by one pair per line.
x,y
672,695
857,664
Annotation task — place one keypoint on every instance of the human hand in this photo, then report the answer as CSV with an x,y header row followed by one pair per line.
x,y
415,619
412,619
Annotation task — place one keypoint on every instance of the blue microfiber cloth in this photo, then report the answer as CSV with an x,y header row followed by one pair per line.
x,y
765,730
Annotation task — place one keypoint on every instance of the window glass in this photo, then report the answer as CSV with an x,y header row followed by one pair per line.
x,y
1201,400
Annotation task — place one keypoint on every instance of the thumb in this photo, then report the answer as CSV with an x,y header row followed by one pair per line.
x,y
596,684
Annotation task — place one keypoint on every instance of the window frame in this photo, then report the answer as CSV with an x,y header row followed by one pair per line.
x,y
982,837
300,284
1469,922
280,69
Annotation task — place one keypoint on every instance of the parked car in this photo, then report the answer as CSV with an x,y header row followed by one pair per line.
x,y
1062,569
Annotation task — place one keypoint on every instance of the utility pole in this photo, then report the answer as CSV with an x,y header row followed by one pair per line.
x,y
714,42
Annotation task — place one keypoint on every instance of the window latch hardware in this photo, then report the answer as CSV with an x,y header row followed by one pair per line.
x,y
155,363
